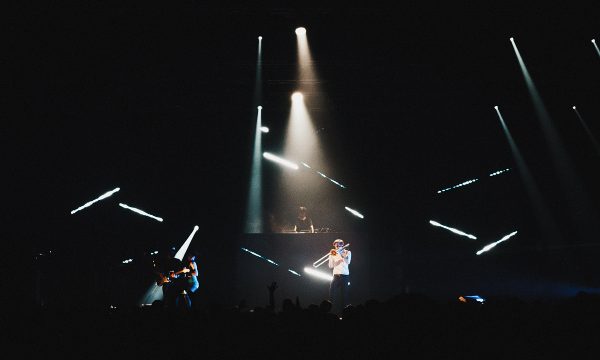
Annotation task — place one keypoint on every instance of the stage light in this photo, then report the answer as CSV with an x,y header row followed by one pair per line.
x,y
300,31
141,212
594,41
101,197
456,231
330,179
511,39
259,107
354,212
496,107
318,274
280,160
264,129
260,38
293,272
260,256
574,108
499,172
493,245
182,250
297,96
457,186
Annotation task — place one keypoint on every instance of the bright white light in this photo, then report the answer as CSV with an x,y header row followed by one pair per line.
x,y
127,261
496,107
459,185
456,231
305,164
280,160
293,272
260,256
499,172
574,108
260,38
330,179
354,212
511,39
297,96
318,274
594,41
89,203
264,129
141,212
493,245
300,31
182,250
259,107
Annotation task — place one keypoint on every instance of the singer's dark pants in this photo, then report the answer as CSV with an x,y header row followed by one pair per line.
x,y
338,291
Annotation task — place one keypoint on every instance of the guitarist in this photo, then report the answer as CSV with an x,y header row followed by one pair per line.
x,y
171,277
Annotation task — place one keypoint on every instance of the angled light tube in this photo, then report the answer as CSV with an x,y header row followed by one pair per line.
x,y
318,274
456,231
280,160
101,197
493,245
354,212
141,212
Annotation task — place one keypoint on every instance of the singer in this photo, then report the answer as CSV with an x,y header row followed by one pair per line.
x,y
339,260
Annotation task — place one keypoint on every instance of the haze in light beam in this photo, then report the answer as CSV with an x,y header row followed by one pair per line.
x,y
181,252
280,160
318,274
596,47
101,197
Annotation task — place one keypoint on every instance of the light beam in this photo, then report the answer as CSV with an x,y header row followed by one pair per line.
x,y
493,245
280,160
89,203
318,274
141,212
354,212
456,231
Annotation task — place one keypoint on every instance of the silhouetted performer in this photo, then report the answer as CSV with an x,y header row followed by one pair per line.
x,y
303,221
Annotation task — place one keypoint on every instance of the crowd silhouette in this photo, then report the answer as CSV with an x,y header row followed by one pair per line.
x,y
406,325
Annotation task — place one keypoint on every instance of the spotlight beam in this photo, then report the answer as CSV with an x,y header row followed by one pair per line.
x,y
588,131
179,254
456,231
90,203
596,47
141,212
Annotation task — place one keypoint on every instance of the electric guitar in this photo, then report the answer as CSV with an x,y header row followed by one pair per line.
x,y
162,278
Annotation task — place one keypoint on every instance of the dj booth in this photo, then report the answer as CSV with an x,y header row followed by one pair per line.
x,y
288,258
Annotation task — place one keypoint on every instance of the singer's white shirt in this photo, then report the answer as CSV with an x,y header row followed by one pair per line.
x,y
340,264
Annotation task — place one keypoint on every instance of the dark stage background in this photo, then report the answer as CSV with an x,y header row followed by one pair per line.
x,y
160,100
